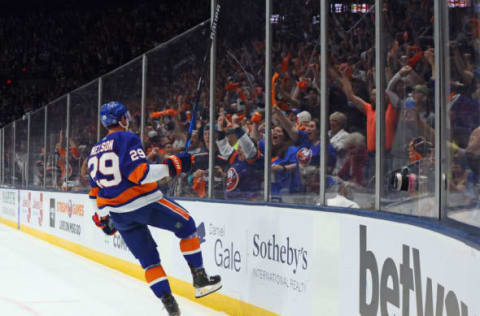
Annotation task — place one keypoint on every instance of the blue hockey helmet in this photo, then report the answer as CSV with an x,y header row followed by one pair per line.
x,y
111,114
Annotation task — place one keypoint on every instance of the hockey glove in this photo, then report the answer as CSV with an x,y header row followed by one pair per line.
x,y
179,163
104,223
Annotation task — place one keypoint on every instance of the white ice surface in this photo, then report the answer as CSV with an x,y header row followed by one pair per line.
x,y
39,279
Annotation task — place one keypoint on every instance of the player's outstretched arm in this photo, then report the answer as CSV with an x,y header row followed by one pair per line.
x,y
156,172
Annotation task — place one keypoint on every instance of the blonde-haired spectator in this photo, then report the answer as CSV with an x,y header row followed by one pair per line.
x,y
354,167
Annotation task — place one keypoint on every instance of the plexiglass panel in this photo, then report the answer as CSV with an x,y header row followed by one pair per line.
x,y
21,147
83,134
409,164
8,155
36,160
240,102
173,73
296,103
173,70
56,144
352,103
463,114
125,86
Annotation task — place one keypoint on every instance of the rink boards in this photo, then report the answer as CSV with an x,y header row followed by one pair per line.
x,y
280,260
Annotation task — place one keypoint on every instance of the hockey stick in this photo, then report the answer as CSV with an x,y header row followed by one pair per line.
x,y
172,186
247,74
201,80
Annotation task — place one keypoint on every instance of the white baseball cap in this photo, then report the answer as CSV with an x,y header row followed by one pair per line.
x,y
152,133
304,116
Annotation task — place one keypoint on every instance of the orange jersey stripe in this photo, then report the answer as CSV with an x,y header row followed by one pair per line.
x,y
175,208
138,173
154,273
93,192
127,195
189,244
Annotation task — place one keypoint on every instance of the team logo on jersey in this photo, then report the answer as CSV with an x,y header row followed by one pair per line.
x,y
232,179
304,155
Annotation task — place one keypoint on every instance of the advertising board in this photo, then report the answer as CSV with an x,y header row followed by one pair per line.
x,y
286,261
9,206
32,209
263,254
390,268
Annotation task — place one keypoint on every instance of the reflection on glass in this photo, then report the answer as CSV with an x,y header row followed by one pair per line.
x,y
351,105
173,73
21,141
56,144
83,135
8,155
240,102
296,103
37,149
463,115
409,118
125,86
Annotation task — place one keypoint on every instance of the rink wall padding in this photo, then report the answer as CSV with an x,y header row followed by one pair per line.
x,y
279,261
8,222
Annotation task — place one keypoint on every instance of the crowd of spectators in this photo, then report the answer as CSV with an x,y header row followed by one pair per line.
x,y
409,102
50,48
240,100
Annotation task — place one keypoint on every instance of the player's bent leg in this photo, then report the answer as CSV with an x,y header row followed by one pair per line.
x,y
171,305
140,242
203,283
158,282
190,248
173,217
169,215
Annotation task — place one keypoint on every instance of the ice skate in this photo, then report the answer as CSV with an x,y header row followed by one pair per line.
x,y
170,305
204,284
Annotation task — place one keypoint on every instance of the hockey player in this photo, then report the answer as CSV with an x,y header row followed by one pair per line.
x,y
124,187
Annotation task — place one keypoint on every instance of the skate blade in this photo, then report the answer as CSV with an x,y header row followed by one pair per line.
x,y
203,291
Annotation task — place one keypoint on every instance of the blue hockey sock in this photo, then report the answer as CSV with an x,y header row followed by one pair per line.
x,y
190,248
157,280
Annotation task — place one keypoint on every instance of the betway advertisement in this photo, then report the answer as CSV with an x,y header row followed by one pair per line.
x,y
9,206
398,269
263,257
